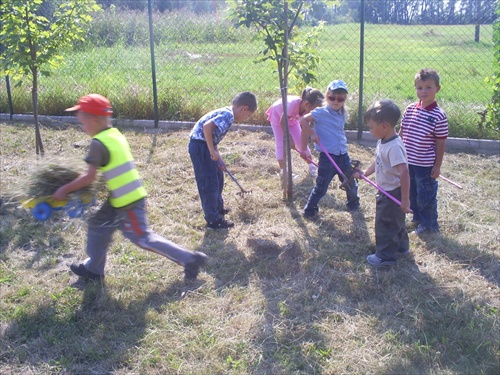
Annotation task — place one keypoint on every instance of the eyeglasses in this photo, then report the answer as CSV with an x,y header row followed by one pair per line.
x,y
339,99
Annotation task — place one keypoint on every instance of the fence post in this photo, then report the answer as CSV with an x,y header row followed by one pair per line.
x,y
9,97
361,67
153,65
477,29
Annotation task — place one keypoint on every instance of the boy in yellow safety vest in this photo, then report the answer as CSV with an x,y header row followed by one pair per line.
x,y
125,208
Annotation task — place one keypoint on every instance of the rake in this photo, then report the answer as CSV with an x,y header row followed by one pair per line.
x,y
392,198
308,159
242,191
451,182
346,181
395,200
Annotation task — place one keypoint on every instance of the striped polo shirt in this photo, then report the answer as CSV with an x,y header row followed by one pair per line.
x,y
420,128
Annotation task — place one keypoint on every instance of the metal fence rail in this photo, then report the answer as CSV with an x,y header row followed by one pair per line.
x,y
201,62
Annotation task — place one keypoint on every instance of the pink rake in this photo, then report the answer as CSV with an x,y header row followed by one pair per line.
x,y
381,190
346,180
451,182
395,200
308,159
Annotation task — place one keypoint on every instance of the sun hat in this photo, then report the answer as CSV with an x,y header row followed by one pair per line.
x,y
337,84
94,104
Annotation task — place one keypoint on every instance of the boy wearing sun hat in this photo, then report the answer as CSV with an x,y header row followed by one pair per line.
x,y
125,208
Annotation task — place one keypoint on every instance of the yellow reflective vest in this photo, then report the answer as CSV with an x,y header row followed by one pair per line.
x,y
122,178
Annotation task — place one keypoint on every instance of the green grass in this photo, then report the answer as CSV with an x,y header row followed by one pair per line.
x,y
280,295
200,67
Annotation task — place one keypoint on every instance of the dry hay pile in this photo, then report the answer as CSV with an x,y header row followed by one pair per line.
x,y
48,176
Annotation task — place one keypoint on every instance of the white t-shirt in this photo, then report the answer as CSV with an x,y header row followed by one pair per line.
x,y
389,154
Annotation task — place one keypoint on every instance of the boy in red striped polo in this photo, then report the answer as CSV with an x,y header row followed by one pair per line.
x,y
424,129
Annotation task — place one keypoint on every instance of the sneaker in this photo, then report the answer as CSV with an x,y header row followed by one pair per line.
x,y
313,171
422,230
353,208
225,211
309,215
80,270
403,252
220,224
375,261
192,269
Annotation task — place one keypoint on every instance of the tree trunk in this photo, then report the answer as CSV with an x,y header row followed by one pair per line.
x,y
34,89
34,97
287,156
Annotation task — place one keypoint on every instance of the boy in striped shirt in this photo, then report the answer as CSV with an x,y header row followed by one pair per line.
x,y
424,129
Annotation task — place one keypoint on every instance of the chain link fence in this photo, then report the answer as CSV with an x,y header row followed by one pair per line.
x,y
201,62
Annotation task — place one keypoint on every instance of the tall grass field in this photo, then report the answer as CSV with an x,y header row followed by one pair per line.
x,y
280,295
201,62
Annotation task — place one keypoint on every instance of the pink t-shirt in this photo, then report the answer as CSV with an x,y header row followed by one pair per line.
x,y
275,112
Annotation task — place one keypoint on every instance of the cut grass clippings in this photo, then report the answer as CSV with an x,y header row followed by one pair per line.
x,y
279,295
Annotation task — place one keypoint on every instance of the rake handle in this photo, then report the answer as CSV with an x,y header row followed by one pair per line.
x,y
382,190
451,182
224,168
346,180
308,159
235,180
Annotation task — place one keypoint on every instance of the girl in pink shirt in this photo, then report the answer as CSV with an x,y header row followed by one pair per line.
x,y
296,107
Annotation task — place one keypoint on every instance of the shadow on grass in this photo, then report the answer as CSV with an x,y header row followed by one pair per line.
x,y
89,333
20,231
471,257
288,339
437,327
275,267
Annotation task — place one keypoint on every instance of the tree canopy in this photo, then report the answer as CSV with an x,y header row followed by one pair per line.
x,y
33,37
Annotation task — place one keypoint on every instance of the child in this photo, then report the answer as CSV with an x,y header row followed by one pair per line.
x,y
424,129
296,107
329,130
125,208
207,163
391,174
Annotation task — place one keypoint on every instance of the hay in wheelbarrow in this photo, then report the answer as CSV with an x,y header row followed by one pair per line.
x,y
50,175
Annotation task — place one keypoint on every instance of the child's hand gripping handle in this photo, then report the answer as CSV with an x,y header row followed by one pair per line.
x,y
359,174
221,165
306,158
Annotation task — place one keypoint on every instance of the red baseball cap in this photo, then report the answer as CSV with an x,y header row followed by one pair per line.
x,y
94,104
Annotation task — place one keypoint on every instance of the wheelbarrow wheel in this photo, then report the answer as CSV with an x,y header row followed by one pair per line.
x,y
74,208
42,211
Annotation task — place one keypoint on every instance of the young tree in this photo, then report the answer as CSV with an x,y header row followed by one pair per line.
x,y
493,109
292,51
33,41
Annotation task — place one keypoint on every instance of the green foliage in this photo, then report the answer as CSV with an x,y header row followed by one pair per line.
x,y
131,28
493,108
277,27
33,41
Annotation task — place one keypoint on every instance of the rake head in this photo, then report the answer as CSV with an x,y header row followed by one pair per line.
x,y
355,164
243,193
